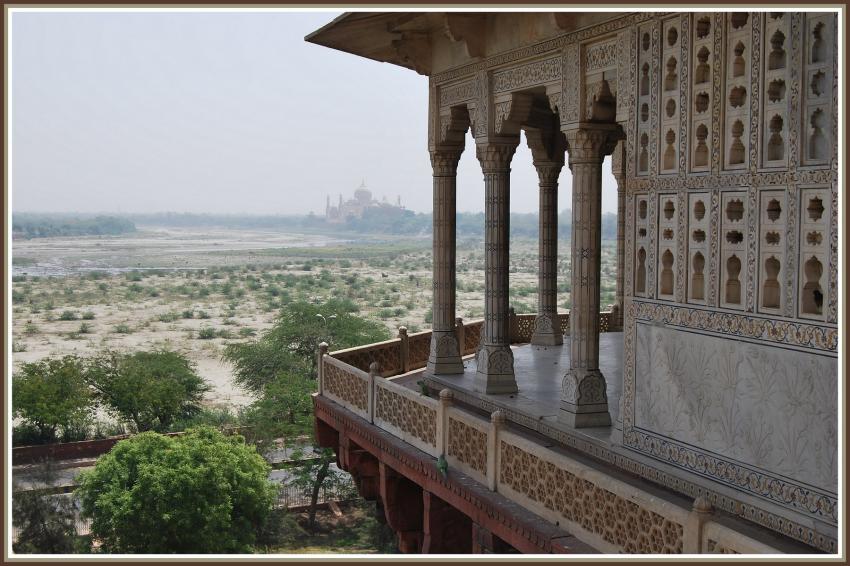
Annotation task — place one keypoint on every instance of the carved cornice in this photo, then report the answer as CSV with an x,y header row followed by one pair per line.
x,y
546,46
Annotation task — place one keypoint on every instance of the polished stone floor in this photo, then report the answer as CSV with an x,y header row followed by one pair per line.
x,y
539,372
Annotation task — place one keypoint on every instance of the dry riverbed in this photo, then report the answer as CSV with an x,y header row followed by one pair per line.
x,y
196,291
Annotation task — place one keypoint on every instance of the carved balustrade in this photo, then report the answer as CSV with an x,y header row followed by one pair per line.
x,y
606,512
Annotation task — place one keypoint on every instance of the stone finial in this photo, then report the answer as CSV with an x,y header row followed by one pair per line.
x,y
374,368
459,321
497,418
446,396
323,348
702,505
402,331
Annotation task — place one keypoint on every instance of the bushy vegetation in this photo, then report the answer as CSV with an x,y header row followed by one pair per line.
x,y
201,492
148,389
51,396
56,398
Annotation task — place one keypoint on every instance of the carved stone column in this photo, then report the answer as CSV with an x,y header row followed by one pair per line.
x,y
618,161
495,360
444,357
584,400
547,328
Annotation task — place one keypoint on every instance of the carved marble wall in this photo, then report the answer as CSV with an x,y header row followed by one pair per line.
x,y
759,238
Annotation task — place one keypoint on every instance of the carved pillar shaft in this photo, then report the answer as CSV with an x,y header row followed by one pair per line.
x,y
547,329
495,360
584,400
444,357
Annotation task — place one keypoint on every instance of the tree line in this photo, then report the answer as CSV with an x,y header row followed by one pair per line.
x,y
373,221
28,225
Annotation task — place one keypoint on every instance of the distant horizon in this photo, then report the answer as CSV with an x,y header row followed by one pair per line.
x,y
216,111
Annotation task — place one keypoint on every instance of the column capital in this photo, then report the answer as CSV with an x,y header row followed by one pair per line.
x,y
444,161
548,172
495,156
591,143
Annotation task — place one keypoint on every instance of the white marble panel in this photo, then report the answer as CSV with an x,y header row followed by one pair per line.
x,y
764,406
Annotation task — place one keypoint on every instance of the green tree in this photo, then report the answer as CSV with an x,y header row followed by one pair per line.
x,y
201,492
283,410
52,394
299,330
314,474
149,389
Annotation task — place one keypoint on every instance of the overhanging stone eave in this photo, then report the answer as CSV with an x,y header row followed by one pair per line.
x,y
367,35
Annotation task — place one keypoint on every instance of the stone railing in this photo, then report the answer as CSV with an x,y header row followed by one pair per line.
x,y
409,352
607,512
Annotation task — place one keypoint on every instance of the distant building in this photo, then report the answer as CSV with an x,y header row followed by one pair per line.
x,y
357,206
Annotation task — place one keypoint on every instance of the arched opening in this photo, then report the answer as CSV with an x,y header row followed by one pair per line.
x,y
775,145
736,149
670,152
776,59
703,71
701,151
818,45
733,282
671,79
640,276
812,291
739,66
667,273
817,139
644,80
770,289
697,278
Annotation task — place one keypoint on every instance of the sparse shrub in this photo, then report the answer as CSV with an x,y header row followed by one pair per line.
x,y
224,333
30,328
18,347
206,333
88,315
188,313
246,332
68,315
168,317
203,314
103,287
123,329
85,328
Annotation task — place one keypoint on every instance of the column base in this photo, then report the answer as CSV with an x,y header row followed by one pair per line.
x,y
547,331
495,375
584,400
444,358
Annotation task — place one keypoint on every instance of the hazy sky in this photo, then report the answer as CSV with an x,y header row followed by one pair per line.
x,y
221,113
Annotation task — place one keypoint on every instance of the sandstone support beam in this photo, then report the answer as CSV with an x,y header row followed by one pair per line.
x,y
446,530
495,373
403,507
584,400
444,357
